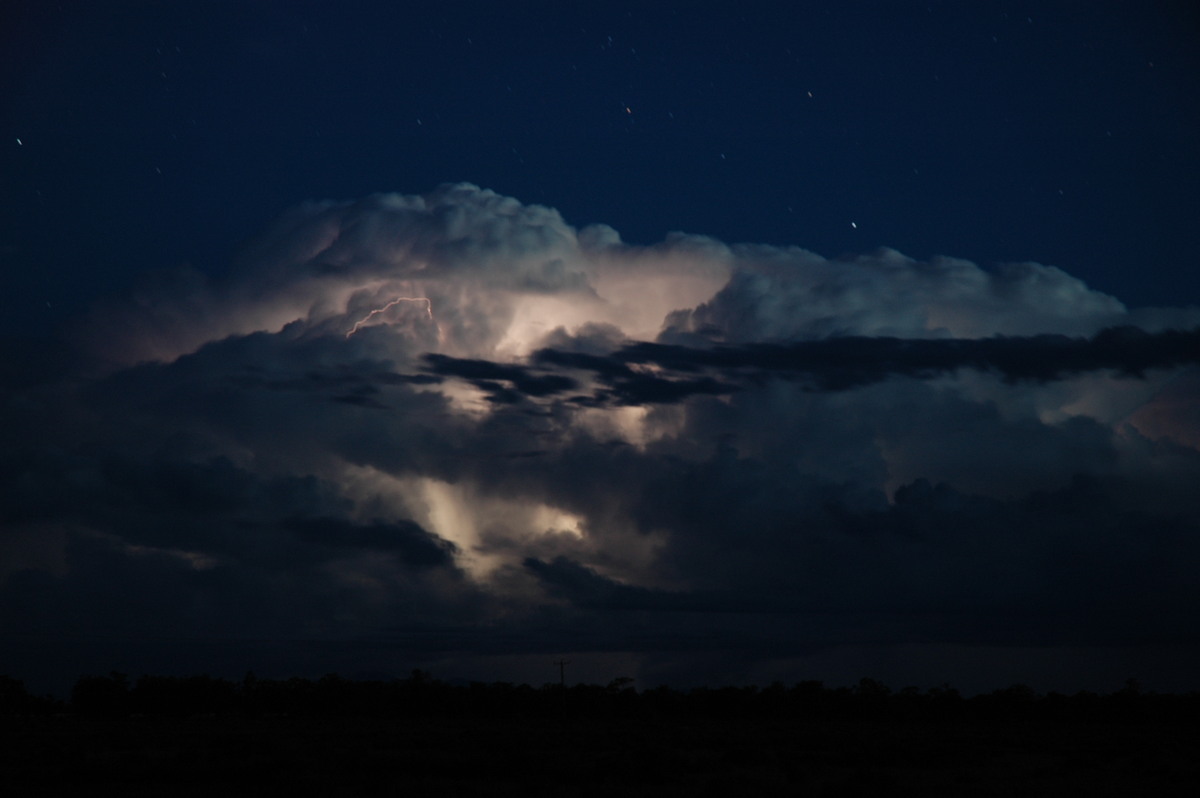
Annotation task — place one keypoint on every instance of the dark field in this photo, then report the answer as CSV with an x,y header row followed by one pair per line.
x,y
565,756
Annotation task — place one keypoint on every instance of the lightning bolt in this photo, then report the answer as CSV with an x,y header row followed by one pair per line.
x,y
358,324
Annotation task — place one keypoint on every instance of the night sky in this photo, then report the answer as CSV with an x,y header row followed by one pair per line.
x,y
697,343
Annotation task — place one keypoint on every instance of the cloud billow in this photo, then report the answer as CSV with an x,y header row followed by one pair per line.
x,y
748,454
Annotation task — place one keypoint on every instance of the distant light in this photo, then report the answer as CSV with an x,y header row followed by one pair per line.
x,y
854,225
19,144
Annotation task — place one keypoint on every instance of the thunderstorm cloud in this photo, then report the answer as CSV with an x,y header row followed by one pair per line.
x,y
453,428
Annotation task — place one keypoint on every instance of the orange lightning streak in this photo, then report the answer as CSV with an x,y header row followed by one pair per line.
x,y
358,324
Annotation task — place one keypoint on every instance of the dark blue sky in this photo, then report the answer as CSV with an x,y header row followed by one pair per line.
x,y
154,134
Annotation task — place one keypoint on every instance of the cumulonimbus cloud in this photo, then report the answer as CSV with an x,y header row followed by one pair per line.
x,y
457,411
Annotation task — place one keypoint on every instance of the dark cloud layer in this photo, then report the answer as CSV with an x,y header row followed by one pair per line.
x,y
486,376
843,363
412,544
689,461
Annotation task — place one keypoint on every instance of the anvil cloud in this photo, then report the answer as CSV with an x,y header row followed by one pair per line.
x,y
691,461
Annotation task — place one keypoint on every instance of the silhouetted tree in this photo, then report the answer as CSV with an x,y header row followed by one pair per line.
x,y
101,696
182,696
16,700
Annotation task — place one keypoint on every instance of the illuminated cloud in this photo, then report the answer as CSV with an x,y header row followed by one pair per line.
x,y
787,294
403,417
497,276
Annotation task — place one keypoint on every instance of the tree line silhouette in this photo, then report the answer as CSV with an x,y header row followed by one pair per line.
x,y
420,695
